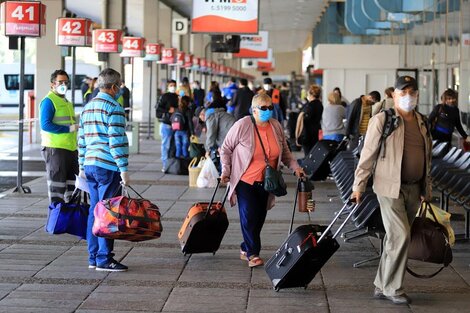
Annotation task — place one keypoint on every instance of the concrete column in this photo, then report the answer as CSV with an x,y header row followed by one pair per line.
x,y
164,35
48,57
114,18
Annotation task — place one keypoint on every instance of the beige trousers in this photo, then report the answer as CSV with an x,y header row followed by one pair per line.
x,y
397,216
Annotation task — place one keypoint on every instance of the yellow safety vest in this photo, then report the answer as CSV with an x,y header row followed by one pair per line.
x,y
64,115
120,100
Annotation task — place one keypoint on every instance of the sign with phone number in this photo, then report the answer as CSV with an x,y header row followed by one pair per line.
x,y
23,18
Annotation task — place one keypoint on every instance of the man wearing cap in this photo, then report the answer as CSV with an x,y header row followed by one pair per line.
x,y
275,95
401,179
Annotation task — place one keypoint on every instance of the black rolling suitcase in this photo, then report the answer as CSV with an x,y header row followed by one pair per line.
x,y
292,123
204,226
316,163
304,252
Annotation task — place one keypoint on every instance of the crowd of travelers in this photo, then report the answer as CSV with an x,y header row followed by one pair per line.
x,y
246,128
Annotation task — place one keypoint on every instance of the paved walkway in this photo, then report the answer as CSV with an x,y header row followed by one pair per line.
x,y
44,273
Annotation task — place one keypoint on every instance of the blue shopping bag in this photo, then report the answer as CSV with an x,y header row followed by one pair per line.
x,y
68,218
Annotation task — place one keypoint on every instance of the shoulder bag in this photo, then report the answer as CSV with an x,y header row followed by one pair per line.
x,y
273,181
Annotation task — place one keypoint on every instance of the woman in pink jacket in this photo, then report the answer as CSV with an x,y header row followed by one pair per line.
x,y
243,165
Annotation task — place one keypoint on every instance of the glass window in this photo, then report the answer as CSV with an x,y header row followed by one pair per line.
x,y
12,81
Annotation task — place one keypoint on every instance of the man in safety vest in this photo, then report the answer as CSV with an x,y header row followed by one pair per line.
x,y
275,95
59,139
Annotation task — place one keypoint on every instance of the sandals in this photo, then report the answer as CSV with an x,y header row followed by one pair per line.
x,y
255,261
243,255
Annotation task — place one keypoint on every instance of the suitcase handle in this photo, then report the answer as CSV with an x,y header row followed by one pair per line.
x,y
213,196
281,260
295,204
348,204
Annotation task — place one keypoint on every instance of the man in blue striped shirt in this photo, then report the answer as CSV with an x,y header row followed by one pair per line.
x,y
103,159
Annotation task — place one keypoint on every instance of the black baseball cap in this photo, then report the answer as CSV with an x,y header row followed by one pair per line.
x,y
267,80
405,81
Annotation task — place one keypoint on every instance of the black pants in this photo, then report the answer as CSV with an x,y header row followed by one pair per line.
x,y
61,168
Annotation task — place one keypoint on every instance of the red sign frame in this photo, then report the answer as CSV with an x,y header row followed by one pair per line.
x,y
107,40
13,14
73,32
168,56
133,47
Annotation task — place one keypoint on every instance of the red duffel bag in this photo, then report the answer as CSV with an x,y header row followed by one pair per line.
x,y
126,218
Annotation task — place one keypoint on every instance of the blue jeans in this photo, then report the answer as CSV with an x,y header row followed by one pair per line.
x,y
335,137
182,144
103,184
252,202
166,133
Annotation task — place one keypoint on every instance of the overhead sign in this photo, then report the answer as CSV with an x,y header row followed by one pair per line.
x,y
73,32
133,47
249,63
253,46
188,61
107,40
153,52
263,66
466,39
168,56
180,58
225,16
180,26
196,63
23,18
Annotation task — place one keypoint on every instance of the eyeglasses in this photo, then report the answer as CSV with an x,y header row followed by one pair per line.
x,y
265,108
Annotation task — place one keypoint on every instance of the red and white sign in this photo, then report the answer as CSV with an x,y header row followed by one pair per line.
x,y
227,16
265,66
180,58
196,63
253,46
153,52
23,18
204,64
73,32
465,40
188,61
107,40
133,47
168,56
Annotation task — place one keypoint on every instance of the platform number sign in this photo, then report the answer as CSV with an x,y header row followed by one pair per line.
x,y
153,52
168,56
107,40
133,47
23,18
73,32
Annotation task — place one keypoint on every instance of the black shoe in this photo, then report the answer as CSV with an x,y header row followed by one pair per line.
x,y
400,299
113,266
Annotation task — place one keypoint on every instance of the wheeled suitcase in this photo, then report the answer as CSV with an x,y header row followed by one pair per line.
x,y
204,226
316,162
304,252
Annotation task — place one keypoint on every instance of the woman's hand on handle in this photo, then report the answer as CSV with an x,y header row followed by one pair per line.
x,y
299,172
224,179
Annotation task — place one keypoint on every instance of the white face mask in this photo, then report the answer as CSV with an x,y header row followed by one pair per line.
x,y
172,89
266,87
407,103
61,89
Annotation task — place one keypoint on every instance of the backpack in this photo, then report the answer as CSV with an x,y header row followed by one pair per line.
x,y
390,124
177,121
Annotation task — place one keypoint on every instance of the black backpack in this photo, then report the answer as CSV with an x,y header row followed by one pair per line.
x,y
178,122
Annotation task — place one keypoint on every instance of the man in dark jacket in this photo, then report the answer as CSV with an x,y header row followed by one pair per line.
x,y
242,100
167,104
361,112
198,94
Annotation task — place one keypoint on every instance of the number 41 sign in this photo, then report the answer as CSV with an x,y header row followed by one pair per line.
x,y
23,18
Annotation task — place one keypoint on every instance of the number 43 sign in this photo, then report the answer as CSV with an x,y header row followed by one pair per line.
x,y
23,18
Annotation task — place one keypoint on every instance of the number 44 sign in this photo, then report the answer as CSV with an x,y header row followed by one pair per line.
x,y
133,47
73,32
23,18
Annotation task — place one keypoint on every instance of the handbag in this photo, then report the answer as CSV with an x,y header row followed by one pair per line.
x,y
273,181
68,218
429,241
126,218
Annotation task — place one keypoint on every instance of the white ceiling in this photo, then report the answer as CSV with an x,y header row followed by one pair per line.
x,y
289,22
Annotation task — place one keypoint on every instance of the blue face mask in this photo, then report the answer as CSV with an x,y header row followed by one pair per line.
x,y
208,112
264,116
118,94
181,93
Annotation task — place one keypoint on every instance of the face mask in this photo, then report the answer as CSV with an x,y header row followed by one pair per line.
x,y
266,87
172,89
118,94
407,103
181,93
208,112
61,89
264,116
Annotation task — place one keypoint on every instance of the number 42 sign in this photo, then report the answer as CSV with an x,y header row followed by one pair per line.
x,y
23,18
73,32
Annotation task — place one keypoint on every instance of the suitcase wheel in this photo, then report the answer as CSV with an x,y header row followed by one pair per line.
x,y
276,289
213,252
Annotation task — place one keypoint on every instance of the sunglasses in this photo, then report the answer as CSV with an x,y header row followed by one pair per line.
x,y
265,108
